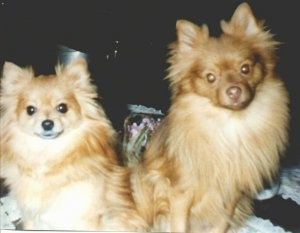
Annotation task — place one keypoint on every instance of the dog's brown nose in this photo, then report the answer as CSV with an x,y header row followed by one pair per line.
x,y
234,92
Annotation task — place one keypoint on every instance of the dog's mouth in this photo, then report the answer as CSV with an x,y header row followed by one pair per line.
x,y
48,135
237,105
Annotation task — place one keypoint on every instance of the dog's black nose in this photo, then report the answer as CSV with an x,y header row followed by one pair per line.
x,y
47,124
234,92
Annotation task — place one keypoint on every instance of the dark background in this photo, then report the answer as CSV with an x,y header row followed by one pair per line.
x,y
139,32
126,42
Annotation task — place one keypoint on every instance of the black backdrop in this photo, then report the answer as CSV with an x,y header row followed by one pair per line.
x,y
126,42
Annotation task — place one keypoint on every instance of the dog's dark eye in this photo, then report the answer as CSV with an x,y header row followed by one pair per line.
x,y
211,77
31,110
62,108
245,69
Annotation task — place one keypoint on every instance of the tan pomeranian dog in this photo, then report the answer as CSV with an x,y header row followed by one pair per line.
x,y
224,133
57,153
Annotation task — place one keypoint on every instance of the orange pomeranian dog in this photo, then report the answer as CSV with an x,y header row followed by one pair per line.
x,y
57,153
225,131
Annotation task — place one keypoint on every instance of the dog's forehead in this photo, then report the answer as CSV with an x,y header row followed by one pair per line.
x,y
218,51
46,82
44,87
222,44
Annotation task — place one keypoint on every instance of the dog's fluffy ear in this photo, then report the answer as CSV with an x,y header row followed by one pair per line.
x,y
15,77
189,34
76,72
242,22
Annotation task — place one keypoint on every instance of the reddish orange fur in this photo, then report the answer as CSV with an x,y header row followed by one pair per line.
x,y
72,181
212,153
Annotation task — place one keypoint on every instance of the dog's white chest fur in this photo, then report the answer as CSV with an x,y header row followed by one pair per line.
x,y
69,208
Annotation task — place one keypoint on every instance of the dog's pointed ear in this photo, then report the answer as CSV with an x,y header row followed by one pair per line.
x,y
14,76
189,34
242,22
76,72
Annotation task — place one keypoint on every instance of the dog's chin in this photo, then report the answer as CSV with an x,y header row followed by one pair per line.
x,y
48,135
236,105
